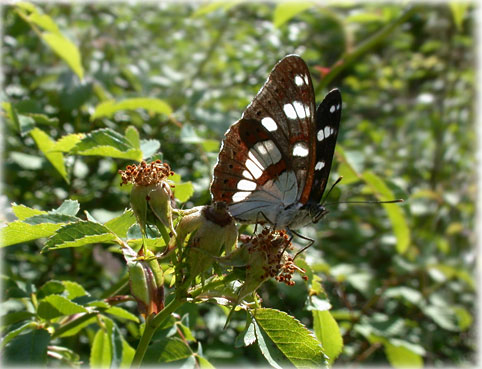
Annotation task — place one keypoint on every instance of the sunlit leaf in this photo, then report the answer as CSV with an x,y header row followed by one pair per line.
x,y
78,234
66,49
54,306
328,333
402,356
292,338
458,9
394,211
45,144
107,108
287,10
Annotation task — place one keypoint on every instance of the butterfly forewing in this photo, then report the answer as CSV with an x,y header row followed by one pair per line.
x,y
328,117
274,136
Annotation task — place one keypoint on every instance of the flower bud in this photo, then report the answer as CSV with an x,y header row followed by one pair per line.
x,y
146,280
210,228
151,195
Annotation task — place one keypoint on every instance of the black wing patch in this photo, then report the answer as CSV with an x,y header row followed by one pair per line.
x,y
328,115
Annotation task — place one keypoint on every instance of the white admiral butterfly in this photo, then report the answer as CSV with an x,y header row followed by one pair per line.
x,y
275,161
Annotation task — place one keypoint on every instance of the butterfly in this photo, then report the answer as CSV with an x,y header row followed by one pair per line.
x,y
274,162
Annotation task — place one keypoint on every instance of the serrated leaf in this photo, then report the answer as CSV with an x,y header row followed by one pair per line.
x,y
291,337
108,108
44,119
27,348
395,213
132,135
14,333
17,232
54,306
167,350
50,218
149,148
23,212
66,49
121,313
183,191
68,207
50,288
121,224
78,234
328,333
402,357
74,290
246,337
67,142
45,145
288,10
106,142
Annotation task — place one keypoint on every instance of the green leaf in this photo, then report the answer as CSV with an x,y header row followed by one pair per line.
x,y
101,351
28,349
132,135
127,354
444,316
106,142
50,218
287,10
291,337
401,356
108,108
149,148
23,212
74,290
458,9
328,333
183,191
395,213
12,334
78,234
54,306
121,313
215,5
67,142
68,207
167,350
15,317
464,318
66,49
49,288
45,145
121,224
246,337
17,232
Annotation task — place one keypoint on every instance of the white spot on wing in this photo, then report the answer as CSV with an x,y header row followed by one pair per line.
x,y
300,149
320,165
320,136
338,107
269,124
266,152
327,131
331,131
246,185
253,168
289,111
240,196
306,78
332,108
299,80
247,174
300,111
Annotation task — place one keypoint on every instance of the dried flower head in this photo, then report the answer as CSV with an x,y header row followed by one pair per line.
x,y
144,174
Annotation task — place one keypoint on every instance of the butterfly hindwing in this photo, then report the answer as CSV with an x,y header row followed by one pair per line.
x,y
328,117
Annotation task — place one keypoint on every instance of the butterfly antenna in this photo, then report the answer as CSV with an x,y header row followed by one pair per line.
x,y
366,202
331,188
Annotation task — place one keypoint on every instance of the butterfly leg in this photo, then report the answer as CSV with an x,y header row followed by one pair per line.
x,y
263,215
310,240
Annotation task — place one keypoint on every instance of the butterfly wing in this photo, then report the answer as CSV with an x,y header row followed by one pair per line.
x,y
328,115
266,157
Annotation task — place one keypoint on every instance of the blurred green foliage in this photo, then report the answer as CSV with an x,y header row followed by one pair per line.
x,y
401,284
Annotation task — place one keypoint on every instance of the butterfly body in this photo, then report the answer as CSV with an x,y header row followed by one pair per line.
x,y
274,162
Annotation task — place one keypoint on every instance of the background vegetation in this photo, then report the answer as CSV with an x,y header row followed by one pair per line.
x,y
399,278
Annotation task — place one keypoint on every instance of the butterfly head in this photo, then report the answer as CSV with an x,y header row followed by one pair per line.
x,y
316,211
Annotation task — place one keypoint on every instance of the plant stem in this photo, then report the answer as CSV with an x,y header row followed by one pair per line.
x,y
350,58
152,323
